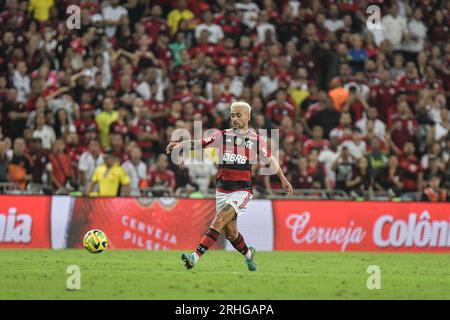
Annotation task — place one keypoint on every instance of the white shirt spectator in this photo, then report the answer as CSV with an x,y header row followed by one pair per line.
x,y
356,150
63,102
262,28
47,136
328,157
115,14
268,85
250,13
379,127
144,89
294,6
22,85
87,163
396,28
214,30
201,173
333,24
379,34
418,33
236,86
440,132
337,132
136,174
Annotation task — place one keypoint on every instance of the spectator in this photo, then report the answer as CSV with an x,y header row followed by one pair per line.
x,y
435,168
40,9
439,132
202,175
161,180
19,166
391,177
379,128
396,27
113,16
264,27
333,23
344,167
16,115
434,193
248,13
111,178
88,162
277,109
104,120
317,142
338,94
417,34
316,169
137,171
302,178
382,95
178,14
269,82
410,165
40,163
362,178
21,82
435,150
327,157
402,125
62,124
357,53
144,132
356,146
345,122
62,174
215,33
86,123
326,116
43,131
3,162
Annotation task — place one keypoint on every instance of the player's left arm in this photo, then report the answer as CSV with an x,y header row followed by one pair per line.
x,y
284,181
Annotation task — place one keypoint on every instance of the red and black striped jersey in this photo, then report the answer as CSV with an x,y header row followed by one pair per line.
x,y
237,153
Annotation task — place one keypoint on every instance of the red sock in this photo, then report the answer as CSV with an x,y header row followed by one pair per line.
x,y
240,245
207,242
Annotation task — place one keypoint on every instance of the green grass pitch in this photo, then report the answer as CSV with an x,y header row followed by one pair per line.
x,y
122,274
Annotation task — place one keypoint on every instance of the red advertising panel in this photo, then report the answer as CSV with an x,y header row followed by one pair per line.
x,y
25,221
131,223
361,226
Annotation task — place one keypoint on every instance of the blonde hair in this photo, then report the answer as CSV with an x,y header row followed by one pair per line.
x,y
242,104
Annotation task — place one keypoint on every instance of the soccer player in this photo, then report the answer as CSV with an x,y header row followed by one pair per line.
x,y
238,149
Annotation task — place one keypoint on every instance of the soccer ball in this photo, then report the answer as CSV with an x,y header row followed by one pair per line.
x,y
95,241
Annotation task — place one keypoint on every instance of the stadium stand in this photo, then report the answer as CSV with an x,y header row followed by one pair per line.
x,y
361,113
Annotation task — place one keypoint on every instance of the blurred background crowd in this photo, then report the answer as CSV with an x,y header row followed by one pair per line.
x,y
361,111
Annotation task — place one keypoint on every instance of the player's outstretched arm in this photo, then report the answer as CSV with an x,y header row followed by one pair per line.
x,y
284,182
189,144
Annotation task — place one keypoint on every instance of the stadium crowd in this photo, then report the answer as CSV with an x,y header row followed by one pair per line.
x,y
360,106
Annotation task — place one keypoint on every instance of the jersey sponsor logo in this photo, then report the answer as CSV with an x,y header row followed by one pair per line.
x,y
232,157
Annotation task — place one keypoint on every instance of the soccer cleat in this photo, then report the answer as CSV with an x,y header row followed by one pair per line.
x,y
189,260
251,262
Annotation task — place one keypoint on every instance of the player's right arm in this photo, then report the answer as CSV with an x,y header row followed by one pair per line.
x,y
189,144
210,141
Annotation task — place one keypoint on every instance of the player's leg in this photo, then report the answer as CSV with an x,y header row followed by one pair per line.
x,y
237,240
223,217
